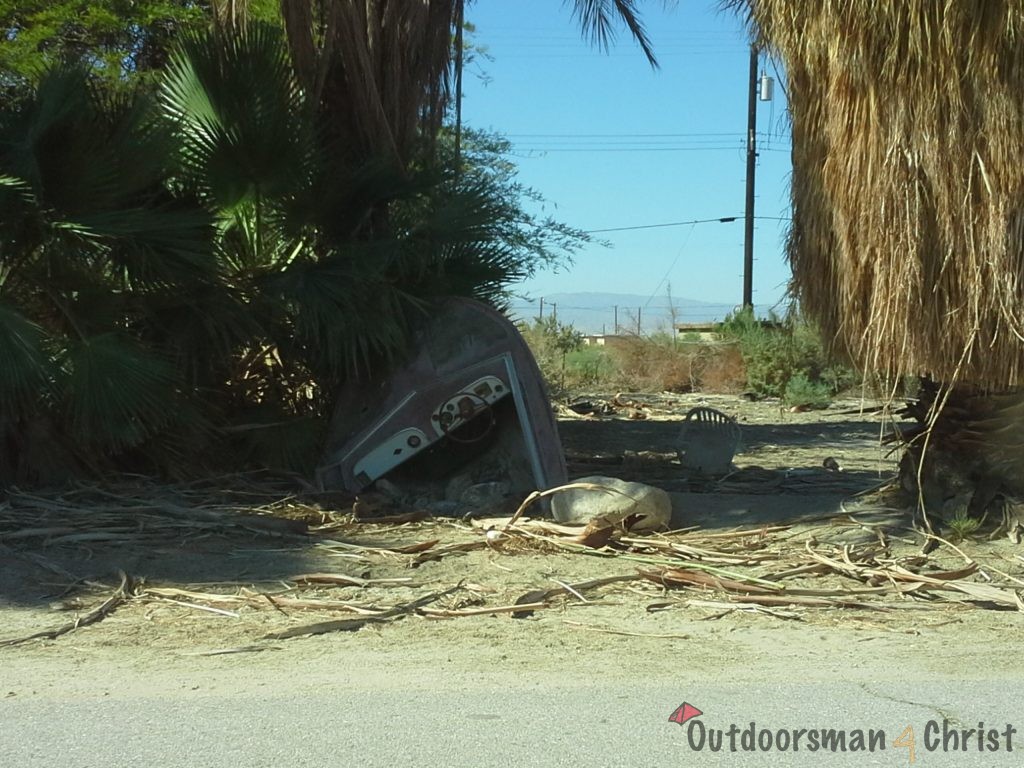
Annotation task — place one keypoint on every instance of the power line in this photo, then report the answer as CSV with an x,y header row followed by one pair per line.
x,y
662,54
638,142
731,147
624,142
620,135
720,220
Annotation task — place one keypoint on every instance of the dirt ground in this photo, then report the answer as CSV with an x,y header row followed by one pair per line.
x,y
208,587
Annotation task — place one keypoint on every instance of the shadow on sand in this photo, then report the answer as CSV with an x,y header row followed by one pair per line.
x,y
52,545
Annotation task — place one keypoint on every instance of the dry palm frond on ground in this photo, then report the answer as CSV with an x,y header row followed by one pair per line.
x,y
780,571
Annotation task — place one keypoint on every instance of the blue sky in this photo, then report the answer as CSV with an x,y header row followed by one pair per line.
x,y
611,143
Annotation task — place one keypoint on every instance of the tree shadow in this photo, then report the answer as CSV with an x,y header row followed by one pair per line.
x,y
51,549
611,437
752,496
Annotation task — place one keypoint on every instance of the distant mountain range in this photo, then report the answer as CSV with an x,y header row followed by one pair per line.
x,y
597,312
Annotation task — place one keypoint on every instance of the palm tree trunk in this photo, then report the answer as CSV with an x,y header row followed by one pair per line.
x,y
965,455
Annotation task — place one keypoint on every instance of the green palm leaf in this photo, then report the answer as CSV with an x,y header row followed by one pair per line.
x,y
241,120
166,244
344,313
597,21
25,366
85,176
118,394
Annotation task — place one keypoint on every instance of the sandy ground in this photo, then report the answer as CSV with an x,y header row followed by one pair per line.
x,y
781,495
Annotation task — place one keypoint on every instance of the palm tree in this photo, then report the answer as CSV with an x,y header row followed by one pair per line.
x,y
383,69
907,243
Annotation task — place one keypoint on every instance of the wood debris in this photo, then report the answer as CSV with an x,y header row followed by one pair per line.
x,y
97,614
770,571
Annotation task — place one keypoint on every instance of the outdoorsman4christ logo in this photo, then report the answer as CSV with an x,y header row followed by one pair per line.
x,y
931,736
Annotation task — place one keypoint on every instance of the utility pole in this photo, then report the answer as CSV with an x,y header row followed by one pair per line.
x,y
748,234
541,307
616,332
638,311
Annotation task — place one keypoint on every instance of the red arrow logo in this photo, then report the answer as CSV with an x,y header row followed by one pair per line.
x,y
683,713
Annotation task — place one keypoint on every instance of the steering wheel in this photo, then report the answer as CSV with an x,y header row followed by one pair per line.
x,y
487,408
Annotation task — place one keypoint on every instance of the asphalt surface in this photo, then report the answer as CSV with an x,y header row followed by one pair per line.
x,y
536,724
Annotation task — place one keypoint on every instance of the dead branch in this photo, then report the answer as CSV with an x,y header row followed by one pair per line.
x,y
351,625
107,607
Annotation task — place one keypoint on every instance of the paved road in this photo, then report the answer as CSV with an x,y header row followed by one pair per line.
x,y
528,724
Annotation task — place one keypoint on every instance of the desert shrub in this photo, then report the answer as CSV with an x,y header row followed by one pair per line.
x,y
778,353
802,392
589,367
721,369
774,358
655,364
551,343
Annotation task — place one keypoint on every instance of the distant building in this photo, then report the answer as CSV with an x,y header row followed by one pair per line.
x,y
698,332
607,340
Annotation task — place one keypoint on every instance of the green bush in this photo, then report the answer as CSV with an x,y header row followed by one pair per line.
x,y
787,359
589,366
802,392
775,357
551,342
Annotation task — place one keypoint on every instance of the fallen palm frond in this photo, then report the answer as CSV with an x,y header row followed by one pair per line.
x,y
530,601
318,604
254,599
800,570
342,579
439,552
681,577
724,609
700,554
351,625
865,572
201,607
228,651
143,513
414,548
100,612
885,579
767,570
490,611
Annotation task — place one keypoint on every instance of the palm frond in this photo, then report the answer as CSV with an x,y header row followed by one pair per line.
x,y
117,393
907,237
166,245
90,179
199,331
25,365
239,115
598,18
346,315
